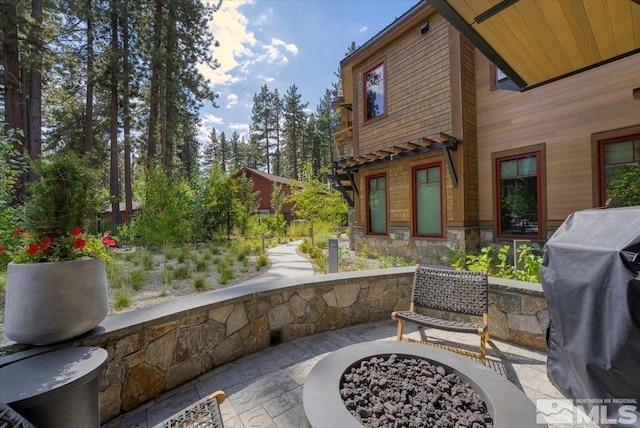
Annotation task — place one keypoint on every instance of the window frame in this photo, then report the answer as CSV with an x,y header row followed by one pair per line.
x,y
368,179
364,93
601,143
540,152
414,200
504,84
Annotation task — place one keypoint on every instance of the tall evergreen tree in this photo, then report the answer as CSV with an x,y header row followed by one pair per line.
x,y
223,153
236,152
326,121
294,123
209,154
263,124
278,155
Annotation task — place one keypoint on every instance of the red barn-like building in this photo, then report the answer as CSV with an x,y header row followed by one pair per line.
x,y
263,183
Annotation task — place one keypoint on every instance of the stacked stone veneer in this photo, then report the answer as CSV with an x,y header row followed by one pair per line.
x,y
400,242
155,349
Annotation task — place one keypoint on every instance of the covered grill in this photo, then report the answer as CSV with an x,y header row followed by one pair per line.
x,y
594,307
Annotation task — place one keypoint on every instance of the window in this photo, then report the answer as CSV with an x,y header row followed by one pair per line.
x,y
377,201
499,80
519,195
427,200
620,171
374,102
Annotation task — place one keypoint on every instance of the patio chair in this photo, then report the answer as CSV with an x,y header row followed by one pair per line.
x,y
9,418
452,291
201,414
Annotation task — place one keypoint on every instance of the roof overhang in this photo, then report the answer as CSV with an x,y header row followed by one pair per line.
x,y
535,42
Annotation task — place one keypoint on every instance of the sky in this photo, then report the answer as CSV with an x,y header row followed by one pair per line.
x,y
280,43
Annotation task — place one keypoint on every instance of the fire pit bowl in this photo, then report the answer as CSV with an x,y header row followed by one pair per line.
x,y
324,407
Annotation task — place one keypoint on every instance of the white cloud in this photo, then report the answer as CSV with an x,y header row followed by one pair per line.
x,y
266,79
232,99
211,119
289,47
242,129
229,26
239,50
364,29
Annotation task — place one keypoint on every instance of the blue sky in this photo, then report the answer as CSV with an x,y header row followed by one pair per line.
x,y
284,42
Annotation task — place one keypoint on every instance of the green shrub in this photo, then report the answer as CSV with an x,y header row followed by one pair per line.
x,y
182,272
121,299
116,277
171,253
144,258
3,283
214,248
183,253
262,261
199,283
201,265
138,278
225,275
495,262
167,276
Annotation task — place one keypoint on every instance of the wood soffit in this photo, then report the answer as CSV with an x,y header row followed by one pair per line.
x,y
535,42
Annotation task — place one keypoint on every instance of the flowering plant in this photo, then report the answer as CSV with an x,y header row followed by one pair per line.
x,y
26,247
64,198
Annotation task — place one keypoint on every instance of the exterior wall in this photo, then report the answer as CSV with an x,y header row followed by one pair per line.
x,y
417,88
265,188
155,349
430,88
563,116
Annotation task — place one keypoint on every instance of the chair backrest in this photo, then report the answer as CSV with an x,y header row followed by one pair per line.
x,y
11,418
451,290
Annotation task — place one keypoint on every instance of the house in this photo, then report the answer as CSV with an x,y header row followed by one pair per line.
x,y
107,211
443,145
264,183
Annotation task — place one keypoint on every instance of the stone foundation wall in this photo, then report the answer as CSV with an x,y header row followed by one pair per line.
x,y
401,243
155,349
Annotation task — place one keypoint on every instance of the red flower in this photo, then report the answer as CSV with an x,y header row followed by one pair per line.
x,y
108,241
1,248
79,243
17,231
32,249
76,231
45,242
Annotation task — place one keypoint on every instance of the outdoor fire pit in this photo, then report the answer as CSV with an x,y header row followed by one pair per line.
x,y
328,395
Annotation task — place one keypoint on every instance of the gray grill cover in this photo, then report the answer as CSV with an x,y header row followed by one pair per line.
x,y
594,306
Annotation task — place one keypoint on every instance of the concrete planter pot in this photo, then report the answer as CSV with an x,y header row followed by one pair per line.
x,y
52,302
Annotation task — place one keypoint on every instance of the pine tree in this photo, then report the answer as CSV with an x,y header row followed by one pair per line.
x,y
263,124
294,122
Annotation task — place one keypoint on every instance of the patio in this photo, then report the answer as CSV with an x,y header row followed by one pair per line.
x,y
265,389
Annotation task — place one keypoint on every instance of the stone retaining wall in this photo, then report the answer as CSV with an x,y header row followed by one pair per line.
x,y
155,349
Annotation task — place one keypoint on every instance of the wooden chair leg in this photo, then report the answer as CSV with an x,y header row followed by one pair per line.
x,y
400,328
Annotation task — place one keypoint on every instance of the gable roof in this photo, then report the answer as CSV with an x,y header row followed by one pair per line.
x,y
265,175
535,42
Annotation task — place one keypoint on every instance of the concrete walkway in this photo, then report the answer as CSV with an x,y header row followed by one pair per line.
x,y
285,263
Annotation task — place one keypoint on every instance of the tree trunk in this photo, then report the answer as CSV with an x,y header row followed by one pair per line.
x,y
154,96
88,118
114,185
128,193
12,83
35,85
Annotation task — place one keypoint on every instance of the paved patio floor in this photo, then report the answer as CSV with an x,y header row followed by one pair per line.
x,y
265,389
